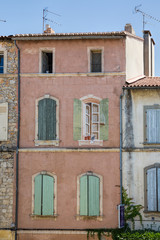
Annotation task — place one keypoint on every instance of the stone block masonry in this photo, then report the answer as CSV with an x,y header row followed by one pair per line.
x,y
8,94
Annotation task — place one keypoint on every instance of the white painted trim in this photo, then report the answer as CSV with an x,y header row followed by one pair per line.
x,y
100,196
47,49
55,189
47,142
4,52
51,232
89,49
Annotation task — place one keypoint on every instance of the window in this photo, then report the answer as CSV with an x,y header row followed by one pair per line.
x,y
3,121
44,194
96,61
152,124
47,60
89,195
152,188
47,130
90,119
1,62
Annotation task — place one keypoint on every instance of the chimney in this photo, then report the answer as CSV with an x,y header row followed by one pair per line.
x,y
48,29
129,28
148,54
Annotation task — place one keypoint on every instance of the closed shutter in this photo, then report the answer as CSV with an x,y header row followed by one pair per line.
x,y
151,189
153,125
48,195
104,119
93,196
77,116
158,183
158,125
47,119
83,195
37,194
3,121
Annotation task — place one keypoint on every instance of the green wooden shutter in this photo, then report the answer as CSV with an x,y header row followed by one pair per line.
x,y
47,119
48,195
93,196
104,119
83,195
77,115
37,194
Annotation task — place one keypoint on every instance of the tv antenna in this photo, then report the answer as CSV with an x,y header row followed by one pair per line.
x,y
45,13
145,15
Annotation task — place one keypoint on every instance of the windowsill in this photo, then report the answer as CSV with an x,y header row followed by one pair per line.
x,y
90,142
34,216
46,142
89,218
151,143
151,213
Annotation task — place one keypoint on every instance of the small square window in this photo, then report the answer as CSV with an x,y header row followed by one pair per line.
x,y
96,61
47,62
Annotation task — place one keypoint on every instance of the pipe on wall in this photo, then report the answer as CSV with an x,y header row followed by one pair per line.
x,y
17,148
121,96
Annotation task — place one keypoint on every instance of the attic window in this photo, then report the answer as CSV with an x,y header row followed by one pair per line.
x,y
47,62
96,62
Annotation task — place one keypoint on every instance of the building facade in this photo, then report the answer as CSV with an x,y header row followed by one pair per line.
x,y
69,160
8,133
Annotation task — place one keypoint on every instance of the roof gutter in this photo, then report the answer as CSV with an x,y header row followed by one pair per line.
x,y
144,87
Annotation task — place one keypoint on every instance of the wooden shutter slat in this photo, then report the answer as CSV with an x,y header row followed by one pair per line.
x,y
77,112
104,119
93,196
151,125
158,125
48,195
151,189
83,195
37,194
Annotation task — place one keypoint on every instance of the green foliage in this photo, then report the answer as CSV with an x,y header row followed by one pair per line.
x,y
138,236
131,210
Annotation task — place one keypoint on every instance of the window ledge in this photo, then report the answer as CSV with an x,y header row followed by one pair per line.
x,y
89,142
151,213
89,218
151,143
46,142
44,216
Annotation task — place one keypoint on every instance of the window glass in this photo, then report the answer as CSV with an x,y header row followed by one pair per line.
x,y
47,60
96,61
1,63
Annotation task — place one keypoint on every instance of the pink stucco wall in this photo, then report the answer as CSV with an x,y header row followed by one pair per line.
x,y
67,166
70,56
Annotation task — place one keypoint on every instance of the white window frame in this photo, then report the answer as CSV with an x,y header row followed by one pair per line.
x,y
55,193
47,50
79,217
4,111
92,49
47,142
3,52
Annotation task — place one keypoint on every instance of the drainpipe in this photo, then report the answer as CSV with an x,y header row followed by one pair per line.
x,y
17,153
121,96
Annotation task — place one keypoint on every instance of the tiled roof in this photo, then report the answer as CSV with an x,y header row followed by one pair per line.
x,y
147,82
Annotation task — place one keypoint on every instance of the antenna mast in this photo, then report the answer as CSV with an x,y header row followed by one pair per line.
x,y
145,15
45,12
2,20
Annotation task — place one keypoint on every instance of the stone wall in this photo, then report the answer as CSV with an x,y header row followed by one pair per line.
x,y
8,93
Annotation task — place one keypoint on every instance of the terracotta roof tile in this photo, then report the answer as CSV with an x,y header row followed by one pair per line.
x,y
144,82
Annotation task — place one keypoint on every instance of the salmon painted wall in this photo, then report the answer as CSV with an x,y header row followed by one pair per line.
x,y
71,55
67,166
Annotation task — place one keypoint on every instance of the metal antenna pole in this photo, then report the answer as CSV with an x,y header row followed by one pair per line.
x,y
2,20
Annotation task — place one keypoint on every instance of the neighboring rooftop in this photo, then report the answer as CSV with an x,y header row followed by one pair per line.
x,y
146,82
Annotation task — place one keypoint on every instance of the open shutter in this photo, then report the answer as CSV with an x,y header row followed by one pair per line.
x,y
37,194
77,113
83,195
158,183
47,119
151,125
151,189
93,196
104,119
3,121
48,195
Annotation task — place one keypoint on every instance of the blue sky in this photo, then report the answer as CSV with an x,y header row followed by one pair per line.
x,y
81,16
